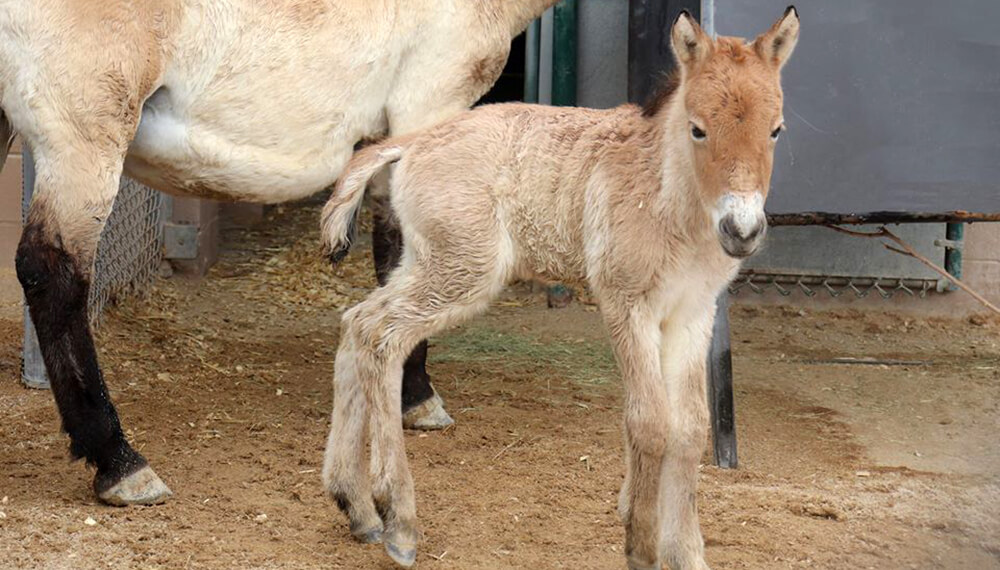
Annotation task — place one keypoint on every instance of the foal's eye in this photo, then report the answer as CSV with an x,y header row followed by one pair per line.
x,y
776,132
697,134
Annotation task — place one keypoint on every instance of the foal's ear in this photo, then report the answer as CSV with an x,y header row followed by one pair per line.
x,y
776,45
690,44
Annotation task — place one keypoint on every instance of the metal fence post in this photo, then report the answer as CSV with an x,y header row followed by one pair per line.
x,y
33,372
532,50
720,388
564,53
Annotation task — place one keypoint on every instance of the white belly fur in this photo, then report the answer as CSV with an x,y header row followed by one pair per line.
x,y
181,157
247,117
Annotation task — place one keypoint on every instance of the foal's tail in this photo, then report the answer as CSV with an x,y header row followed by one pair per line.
x,y
341,213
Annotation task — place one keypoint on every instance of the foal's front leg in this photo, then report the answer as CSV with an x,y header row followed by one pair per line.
x,y
685,341
635,335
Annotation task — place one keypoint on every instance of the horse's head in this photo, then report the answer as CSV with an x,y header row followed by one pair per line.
x,y
732,98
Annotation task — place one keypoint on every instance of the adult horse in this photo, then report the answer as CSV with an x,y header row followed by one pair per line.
x,y
248,100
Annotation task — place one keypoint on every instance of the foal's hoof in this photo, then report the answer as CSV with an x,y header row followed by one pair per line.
x,y
428,416
405,556
370,536
401,544
143,487
638,565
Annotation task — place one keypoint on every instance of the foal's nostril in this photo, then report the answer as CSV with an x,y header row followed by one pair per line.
x,y
729,228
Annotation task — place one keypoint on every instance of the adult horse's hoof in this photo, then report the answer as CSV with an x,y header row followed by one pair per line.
x,y
428,416
143,487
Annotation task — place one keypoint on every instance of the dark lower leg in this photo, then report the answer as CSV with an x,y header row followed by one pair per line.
x,y
56,292
387,248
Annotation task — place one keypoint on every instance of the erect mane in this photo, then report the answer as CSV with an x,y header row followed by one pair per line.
x,y
665,90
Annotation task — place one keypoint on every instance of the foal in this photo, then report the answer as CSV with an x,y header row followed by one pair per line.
x,y
654,208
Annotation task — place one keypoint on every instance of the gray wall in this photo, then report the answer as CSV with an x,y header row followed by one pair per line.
x,y
602,57
890,104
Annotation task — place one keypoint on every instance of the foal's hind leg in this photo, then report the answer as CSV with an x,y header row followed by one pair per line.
x,y
422,407
344,475
415,303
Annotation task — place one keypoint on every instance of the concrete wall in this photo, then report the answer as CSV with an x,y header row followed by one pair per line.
x,y
982,260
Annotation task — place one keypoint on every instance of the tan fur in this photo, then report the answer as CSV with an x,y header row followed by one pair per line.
x,y
630,203
251,100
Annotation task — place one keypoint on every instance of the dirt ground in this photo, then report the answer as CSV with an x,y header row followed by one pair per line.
x,y
225,385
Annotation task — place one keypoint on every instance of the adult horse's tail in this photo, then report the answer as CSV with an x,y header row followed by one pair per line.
x,y
341,213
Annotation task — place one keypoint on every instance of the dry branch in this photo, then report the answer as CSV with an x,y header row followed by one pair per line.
x,y
883,232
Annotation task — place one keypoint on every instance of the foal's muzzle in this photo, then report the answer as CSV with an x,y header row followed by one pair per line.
x,y
741,223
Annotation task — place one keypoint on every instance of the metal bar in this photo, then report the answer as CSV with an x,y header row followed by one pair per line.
x,y
532,52
720,389
828,218
564,53
954,232
649,54
33,372
564,41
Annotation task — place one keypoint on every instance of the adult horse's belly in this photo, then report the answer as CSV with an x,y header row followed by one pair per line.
x,y
267,116
180,154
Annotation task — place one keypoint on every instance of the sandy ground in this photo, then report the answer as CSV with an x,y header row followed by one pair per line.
x,y
224,385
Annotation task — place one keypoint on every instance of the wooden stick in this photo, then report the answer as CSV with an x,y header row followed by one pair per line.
x,y
883,232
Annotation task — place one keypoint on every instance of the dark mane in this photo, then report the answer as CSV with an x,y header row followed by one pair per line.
x,y
665,90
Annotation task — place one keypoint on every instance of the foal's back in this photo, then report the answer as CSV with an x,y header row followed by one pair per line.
x,y
528,174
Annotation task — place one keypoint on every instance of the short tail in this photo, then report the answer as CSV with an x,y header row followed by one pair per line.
x,y
340,215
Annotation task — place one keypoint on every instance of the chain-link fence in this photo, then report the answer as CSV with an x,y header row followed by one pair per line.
x,y
835,285
128,256
130,249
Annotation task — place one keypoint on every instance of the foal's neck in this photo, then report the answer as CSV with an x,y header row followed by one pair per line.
x,y
679,187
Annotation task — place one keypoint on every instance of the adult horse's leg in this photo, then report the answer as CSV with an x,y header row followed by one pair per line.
x,y
422,407
74,191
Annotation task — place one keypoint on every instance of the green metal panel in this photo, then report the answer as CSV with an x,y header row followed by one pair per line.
x,y
564,53
563,91
954,233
